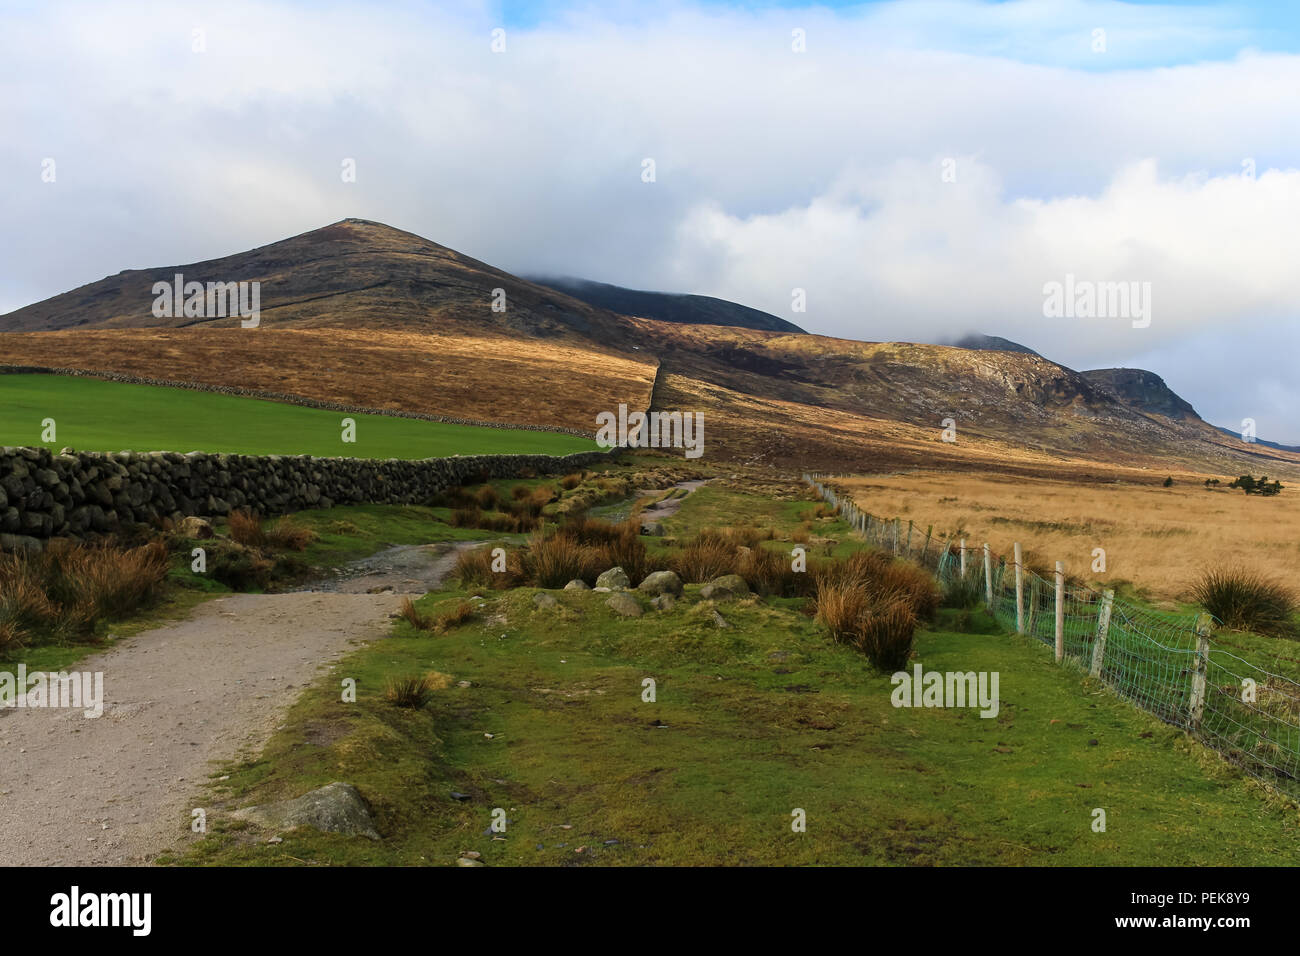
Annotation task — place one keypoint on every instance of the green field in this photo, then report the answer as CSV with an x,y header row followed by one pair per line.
x,y
94,415
750,722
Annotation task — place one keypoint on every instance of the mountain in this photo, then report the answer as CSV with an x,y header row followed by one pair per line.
x,y
362,314
990,343
1141,390
668,306
352,272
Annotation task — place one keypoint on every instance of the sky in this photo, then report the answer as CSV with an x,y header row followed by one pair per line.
x,y
909,170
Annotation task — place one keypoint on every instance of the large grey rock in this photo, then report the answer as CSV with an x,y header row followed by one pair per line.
x,y
724,588
334,808
661,582
624,604
577,585
543,601
615,579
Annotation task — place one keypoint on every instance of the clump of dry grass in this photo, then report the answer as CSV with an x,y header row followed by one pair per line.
x,y
474,569
879,572
286,534
878,622
703,559
246,528
453,617
412,691
67,587
414,616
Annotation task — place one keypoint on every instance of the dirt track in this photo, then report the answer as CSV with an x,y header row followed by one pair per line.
x,y
118,789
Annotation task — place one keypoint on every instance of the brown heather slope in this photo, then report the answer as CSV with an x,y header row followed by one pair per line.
x,y
481,377
360,313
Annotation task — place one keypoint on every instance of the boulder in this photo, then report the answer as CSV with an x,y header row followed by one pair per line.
x,y
653,528
193,527
542,601
725,588
624,605
615,579
577,585
334,808
661,582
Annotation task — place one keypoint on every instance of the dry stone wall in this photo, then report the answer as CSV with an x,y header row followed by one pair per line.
x,y
44,495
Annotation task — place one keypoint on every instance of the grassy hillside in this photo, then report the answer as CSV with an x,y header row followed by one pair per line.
x,y
94,415
539,711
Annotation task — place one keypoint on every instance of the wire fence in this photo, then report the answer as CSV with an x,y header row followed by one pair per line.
x,y
1167,664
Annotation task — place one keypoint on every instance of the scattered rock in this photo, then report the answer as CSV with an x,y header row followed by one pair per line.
x,y
719,620
577,585
471,854
543,601
724,588
193,527
334,808
615,579
664,602
661,582
624,604
465,861
457,795
653,528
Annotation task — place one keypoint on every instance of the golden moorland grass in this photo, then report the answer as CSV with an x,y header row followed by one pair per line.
x,y
1158,539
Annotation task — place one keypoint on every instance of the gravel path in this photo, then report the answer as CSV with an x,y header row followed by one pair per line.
x,y
119,788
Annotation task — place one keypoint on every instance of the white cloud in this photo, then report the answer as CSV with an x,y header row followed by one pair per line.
x,y
775,169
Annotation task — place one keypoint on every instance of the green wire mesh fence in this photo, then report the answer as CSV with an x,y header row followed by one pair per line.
x,y
1167,664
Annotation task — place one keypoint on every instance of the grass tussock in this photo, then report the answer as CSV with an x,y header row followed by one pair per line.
x,y
246,528
875,602
414,616
454,617
1247,601
409,691
286,534
879,623
65,589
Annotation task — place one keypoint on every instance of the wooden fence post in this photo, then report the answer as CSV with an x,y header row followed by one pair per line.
x,y
1020,591
1060,611
1033,604
963,559
1204,627
988,577
1103,627
909,537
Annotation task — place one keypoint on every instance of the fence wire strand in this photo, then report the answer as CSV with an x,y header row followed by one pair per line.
x,y
1159,662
